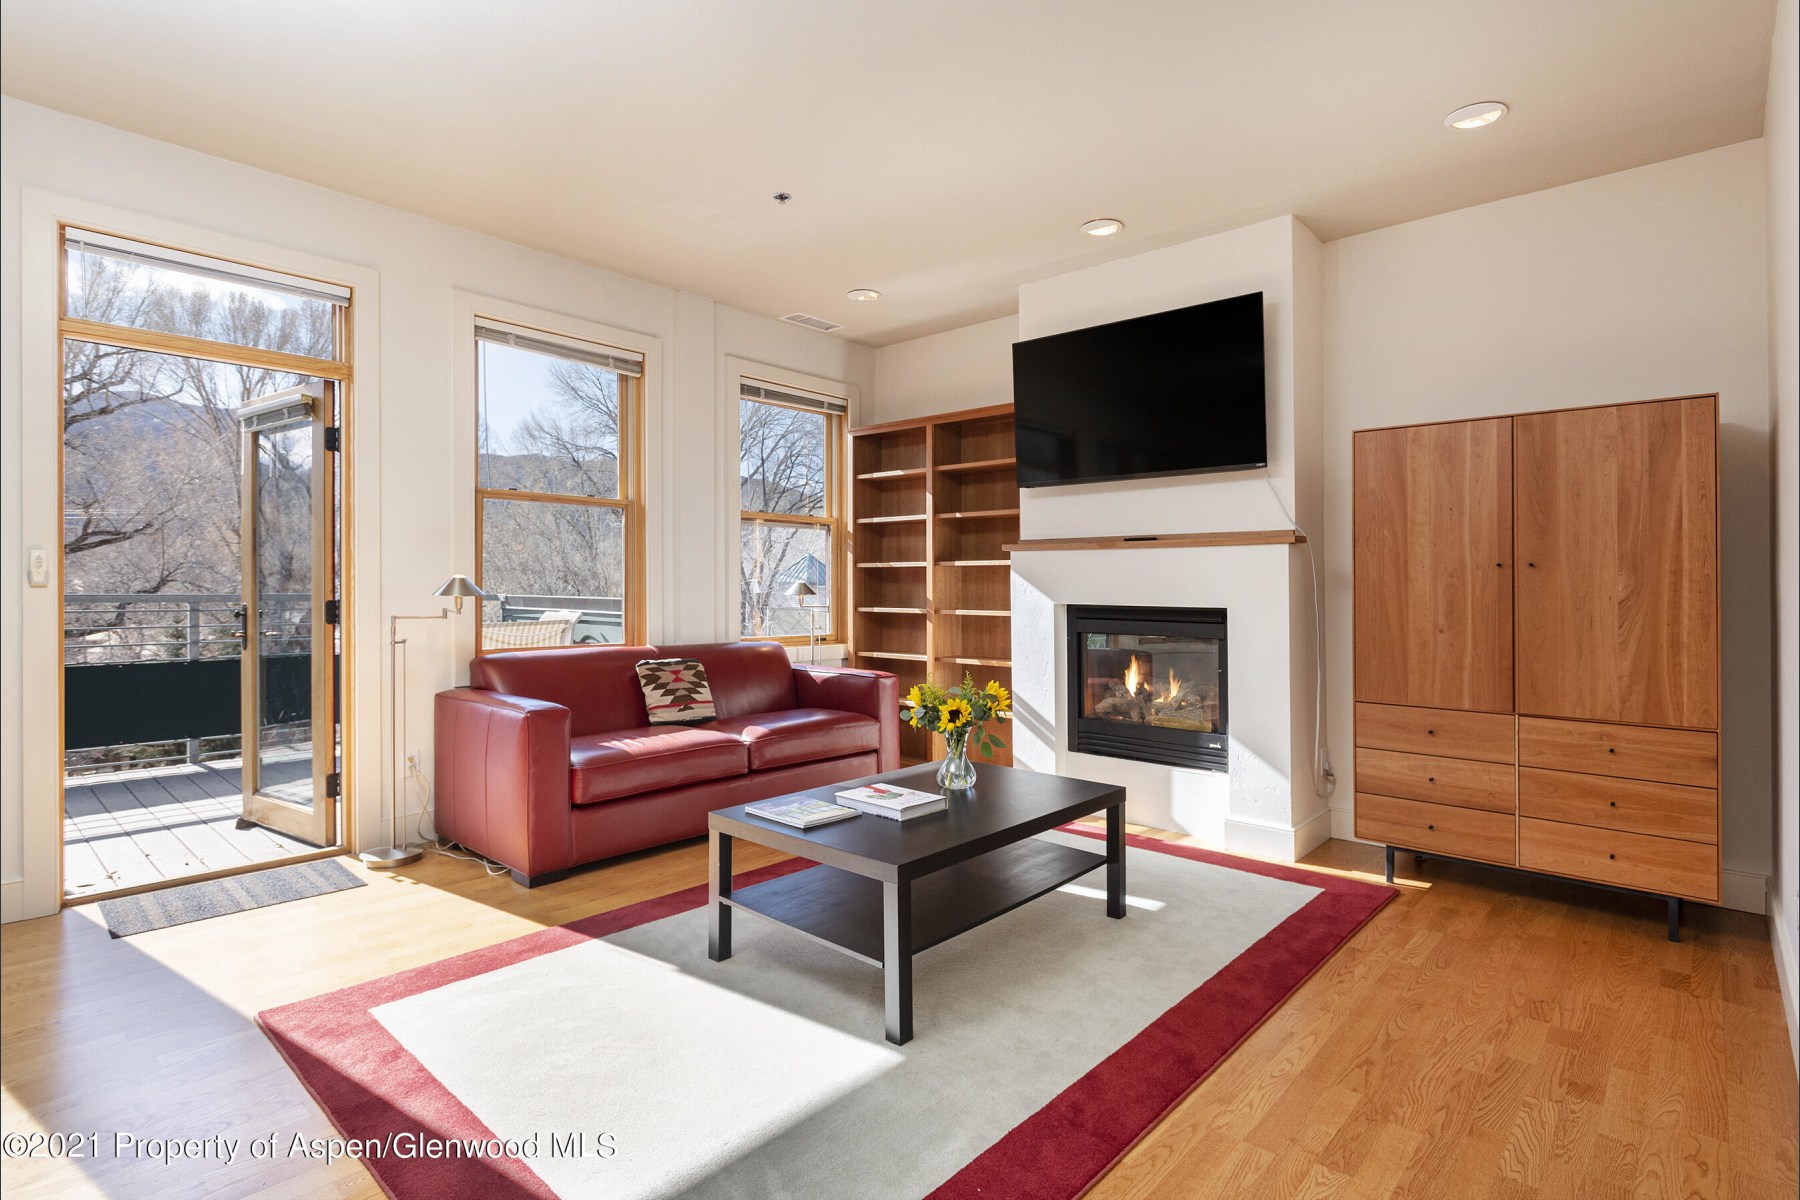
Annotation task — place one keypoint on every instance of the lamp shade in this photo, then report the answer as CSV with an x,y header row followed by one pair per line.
x,y
801,589
460,586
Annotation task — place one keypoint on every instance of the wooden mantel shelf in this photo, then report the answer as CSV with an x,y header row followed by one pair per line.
x,y
1165,541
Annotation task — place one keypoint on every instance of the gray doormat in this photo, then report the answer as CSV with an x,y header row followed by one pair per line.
x,y
216,897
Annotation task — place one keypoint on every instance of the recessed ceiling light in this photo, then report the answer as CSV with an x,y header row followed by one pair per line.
x,y
1474,116
863,294
1102,227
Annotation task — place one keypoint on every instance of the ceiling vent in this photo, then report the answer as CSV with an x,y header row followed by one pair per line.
x,y
811,322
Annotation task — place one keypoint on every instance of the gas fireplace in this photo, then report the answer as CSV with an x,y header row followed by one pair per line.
x,y
1149,684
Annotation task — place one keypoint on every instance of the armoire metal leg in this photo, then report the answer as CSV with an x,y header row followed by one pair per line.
x,y
1390,864
1674,918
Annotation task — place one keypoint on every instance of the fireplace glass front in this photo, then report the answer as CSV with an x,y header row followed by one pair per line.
x,y
1149,684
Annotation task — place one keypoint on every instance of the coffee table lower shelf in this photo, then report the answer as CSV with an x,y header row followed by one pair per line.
x,y
843,910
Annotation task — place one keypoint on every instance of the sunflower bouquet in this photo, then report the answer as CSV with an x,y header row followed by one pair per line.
x,y
962,715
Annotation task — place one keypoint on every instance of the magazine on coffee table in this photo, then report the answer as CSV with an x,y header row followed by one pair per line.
x,y
894,803
803,813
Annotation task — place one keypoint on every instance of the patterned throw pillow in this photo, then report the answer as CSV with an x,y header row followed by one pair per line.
x,y
676,691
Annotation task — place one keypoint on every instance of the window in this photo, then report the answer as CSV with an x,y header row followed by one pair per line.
x,y
558,527
789,533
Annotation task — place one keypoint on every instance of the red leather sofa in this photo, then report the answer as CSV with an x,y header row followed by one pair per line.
x,y
547,760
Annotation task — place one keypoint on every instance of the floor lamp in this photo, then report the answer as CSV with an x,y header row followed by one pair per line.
x,y
402,852
800,590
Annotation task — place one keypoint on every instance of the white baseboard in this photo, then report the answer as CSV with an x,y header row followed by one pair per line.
x,y
1313,833
12,900
1280,843
1273,842
1787,971
1745,892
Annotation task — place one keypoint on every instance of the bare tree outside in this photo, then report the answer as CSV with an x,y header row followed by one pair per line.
x,y
550,427
782,472
150,453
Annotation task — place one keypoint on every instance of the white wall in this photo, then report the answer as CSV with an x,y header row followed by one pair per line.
x,y
54,162
1779,138
1646,283
1271,800
970,367
1278,258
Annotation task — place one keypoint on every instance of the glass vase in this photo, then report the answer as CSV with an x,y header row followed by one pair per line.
x,y
956,773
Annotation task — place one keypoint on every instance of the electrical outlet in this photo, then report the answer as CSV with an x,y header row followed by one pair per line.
x,y
412,760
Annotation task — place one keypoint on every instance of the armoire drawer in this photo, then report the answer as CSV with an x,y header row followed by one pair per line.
x,y
1634,805
1415,825
1463,782
1633,860
1684,756
1447,733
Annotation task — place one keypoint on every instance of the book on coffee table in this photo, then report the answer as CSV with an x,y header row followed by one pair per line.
x,y
894,803
803,813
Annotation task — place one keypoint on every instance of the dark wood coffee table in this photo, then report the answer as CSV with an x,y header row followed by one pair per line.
x,y
887,890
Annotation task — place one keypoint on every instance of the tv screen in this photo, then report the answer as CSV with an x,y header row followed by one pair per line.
x,y
1172,393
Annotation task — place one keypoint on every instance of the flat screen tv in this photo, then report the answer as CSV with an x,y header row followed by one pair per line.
x,y
1173,393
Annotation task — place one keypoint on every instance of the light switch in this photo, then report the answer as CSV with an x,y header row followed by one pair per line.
x,y
37,567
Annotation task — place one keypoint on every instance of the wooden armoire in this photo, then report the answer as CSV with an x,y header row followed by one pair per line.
x,y
1537,644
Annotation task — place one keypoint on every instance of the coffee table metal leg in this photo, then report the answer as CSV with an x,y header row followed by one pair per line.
x,y
1115,861
718,940
897,959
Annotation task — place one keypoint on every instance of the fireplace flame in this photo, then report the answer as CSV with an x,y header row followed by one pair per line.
x,y
1133,677
1174,685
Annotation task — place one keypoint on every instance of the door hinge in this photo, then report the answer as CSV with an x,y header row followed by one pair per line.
x,y
334,785
334,439
331,612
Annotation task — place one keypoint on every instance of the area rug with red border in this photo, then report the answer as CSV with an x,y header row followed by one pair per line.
x,y
610,1058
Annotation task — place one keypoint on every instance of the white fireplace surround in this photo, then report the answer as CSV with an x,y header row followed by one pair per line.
x,y
1264,804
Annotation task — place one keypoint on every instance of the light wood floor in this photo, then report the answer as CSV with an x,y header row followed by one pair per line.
x,y
1483,1036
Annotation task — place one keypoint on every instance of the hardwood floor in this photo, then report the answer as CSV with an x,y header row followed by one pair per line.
x,y
1483,1036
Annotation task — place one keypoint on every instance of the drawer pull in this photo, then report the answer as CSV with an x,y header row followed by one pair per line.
x,y
1612,856
1612,749
1431,827
1612,804
1431,779
1431,733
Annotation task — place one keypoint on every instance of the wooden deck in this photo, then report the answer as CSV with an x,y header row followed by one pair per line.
x,y
133,828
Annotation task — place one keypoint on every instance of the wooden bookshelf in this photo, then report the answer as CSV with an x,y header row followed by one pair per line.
x,y
934,504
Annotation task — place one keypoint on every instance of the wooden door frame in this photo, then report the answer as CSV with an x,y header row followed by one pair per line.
x,y
31,777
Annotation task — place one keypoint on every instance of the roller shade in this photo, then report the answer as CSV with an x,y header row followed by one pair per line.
x,y
768,393
610,358
105,245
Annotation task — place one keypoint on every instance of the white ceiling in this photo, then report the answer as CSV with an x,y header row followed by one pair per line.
x,y
943,151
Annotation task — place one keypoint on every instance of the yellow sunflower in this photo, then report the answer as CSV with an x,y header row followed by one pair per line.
x,y
1000,700
955,713
913,699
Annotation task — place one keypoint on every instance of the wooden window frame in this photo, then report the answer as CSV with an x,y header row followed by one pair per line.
x,y
629,502
836,457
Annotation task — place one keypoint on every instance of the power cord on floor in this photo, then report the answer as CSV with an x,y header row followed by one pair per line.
x,y
1321,749
434,843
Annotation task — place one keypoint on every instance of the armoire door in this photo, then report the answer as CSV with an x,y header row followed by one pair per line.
x,y
1434,565
1618,563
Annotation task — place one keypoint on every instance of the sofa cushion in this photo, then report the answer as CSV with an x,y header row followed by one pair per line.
x,y
630,762
747,677
676,691
799,735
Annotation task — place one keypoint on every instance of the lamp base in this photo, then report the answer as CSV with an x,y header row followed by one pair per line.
x,y
389,857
